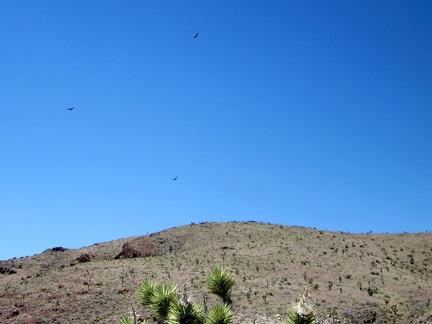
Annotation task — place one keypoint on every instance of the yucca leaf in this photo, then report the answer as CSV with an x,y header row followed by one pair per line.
x,y
163,297
126,319
220,314
145,291
186,313
220,283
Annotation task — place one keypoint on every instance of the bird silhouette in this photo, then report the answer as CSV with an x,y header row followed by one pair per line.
x,y
196,35
174,179
71,108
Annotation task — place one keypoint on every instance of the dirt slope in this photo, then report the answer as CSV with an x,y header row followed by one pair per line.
x,y
379,278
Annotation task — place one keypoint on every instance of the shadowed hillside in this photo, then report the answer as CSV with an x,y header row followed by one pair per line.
x,y
356,277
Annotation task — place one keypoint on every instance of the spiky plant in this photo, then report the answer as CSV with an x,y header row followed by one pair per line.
x,y
221,313
145,291
132,318
173,306
301,311
185,311
163,298
159,297
126,319
190,313
220,283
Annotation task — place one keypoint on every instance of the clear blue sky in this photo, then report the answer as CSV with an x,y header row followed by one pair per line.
x,y
311,113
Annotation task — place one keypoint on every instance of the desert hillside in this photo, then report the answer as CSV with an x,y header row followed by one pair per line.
x,y
358,278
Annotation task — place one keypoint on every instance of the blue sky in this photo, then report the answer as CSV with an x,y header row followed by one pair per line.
x,y
310,113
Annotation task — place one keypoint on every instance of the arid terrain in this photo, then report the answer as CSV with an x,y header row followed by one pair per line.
x,y
354,278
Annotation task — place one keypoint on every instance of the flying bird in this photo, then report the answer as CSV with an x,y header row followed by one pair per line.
x,y
71,108
174,179
196,35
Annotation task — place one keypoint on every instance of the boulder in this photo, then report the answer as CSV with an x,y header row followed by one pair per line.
x,y
138,248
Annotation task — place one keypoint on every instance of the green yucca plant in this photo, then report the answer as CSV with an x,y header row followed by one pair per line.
x,y
171,305
185,311
131,319
190,313
301,311
126,319
163,298
145,291
159,297
220,314
220,283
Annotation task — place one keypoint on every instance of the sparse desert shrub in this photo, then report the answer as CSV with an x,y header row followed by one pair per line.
x,y
85,257
4,270
349,314
58,249
332,312
371,290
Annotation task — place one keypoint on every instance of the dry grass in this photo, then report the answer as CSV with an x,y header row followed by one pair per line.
x,y
383,277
